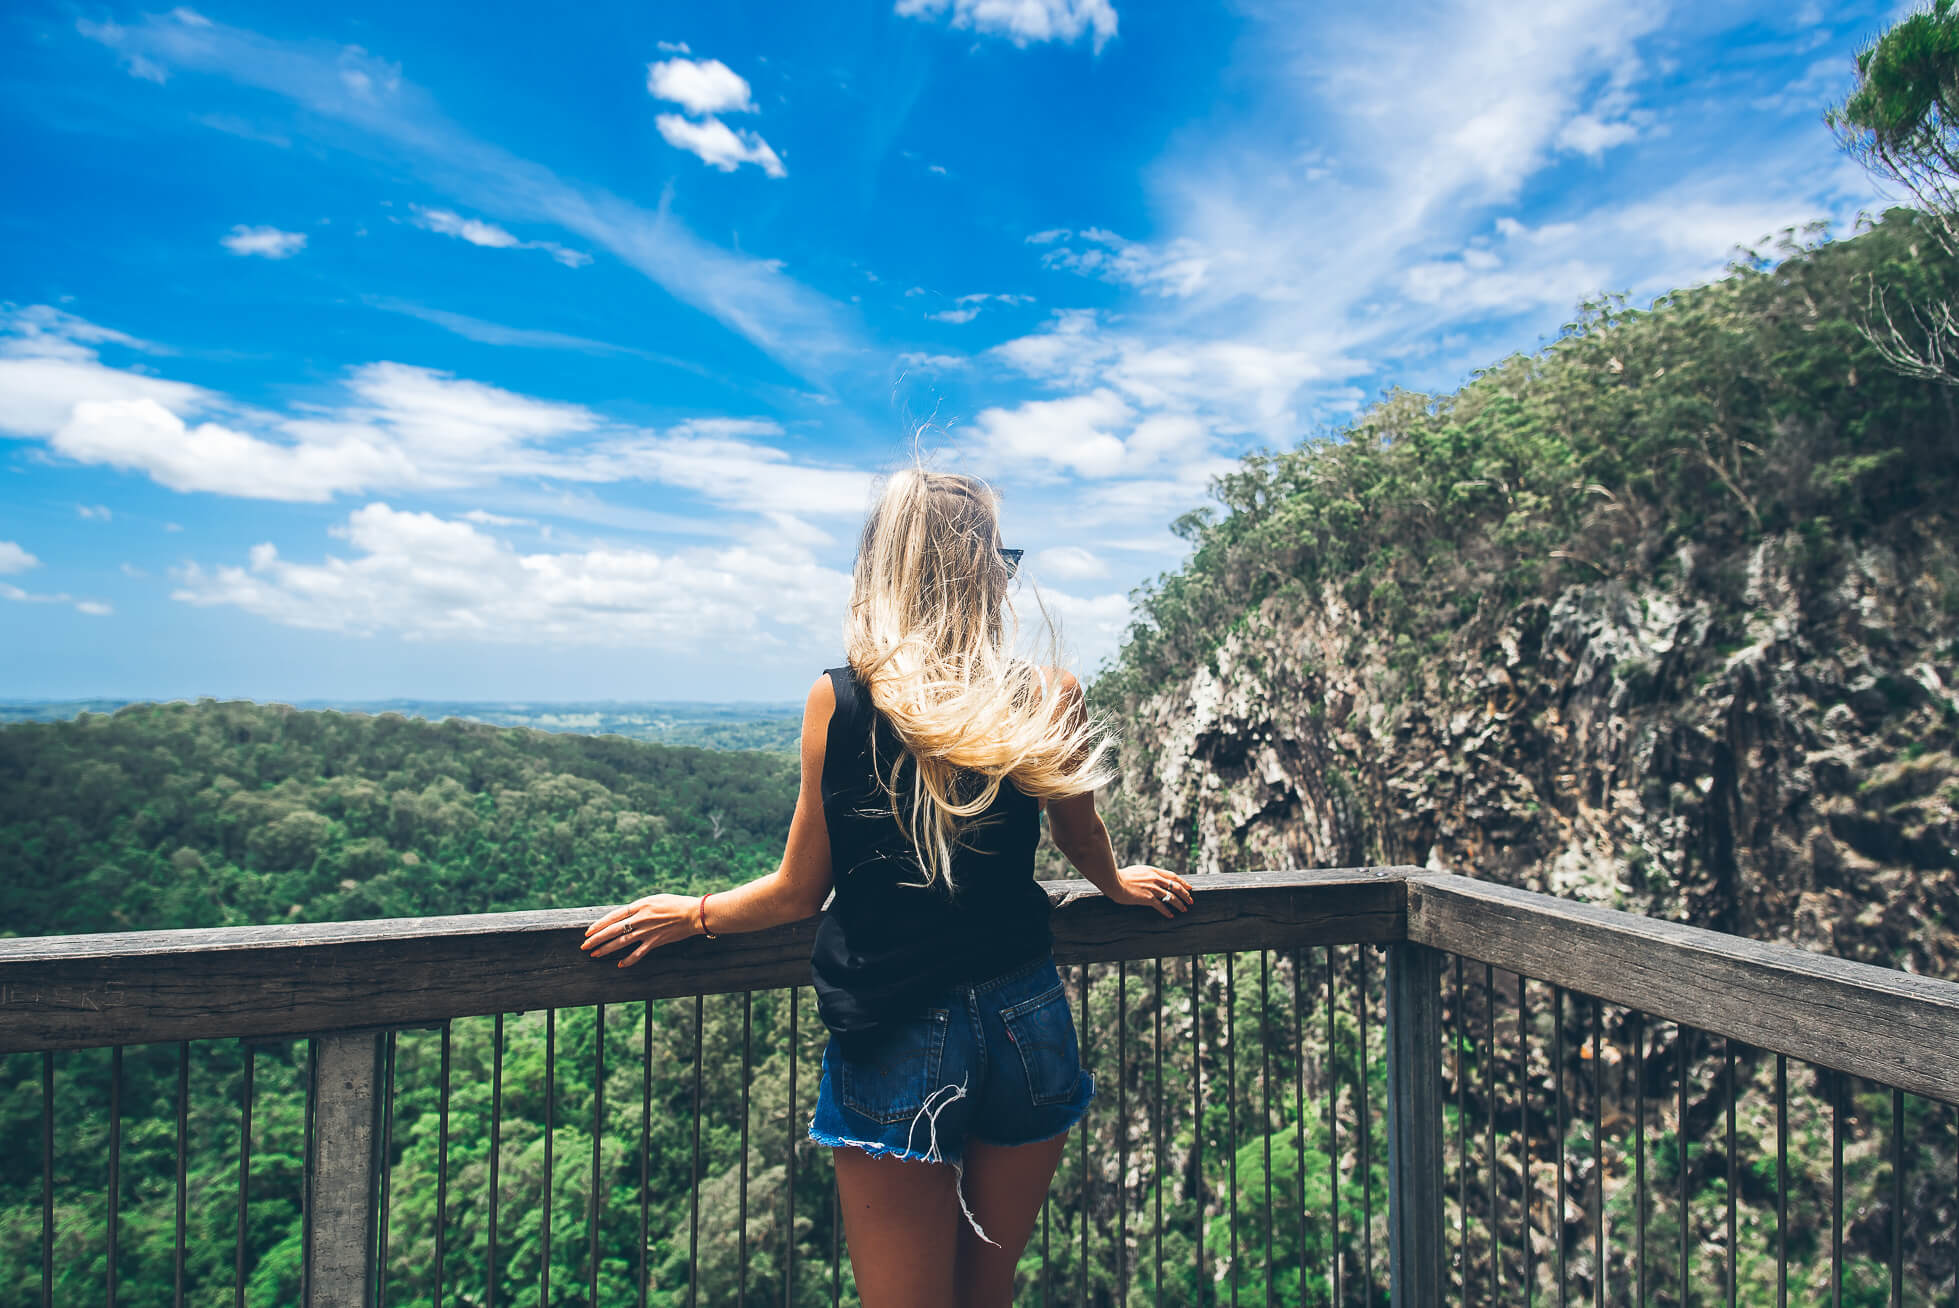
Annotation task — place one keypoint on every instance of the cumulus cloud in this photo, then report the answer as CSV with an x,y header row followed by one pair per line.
x,y
700,86
491,236
717,145
265,242
425,577
15,559
1023,21
1069,563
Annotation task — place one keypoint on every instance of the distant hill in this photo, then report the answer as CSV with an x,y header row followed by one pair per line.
x,y
741,724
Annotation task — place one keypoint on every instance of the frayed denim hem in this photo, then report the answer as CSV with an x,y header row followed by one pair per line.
x,y
878,1149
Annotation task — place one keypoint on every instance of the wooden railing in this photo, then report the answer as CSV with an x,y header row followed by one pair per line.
x,y
344,986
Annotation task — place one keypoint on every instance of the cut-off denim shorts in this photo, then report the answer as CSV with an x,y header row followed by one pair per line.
x,y
996,1061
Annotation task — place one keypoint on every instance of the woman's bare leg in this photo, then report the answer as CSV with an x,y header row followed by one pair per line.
x,y
901,1219
1004,1187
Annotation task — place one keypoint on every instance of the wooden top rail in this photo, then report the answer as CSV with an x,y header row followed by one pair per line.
x,y
66,992
70,992
1875,1022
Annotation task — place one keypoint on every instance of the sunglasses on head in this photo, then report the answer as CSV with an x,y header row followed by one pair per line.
x,y
1012,560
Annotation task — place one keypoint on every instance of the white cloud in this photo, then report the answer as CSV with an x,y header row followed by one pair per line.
x,y
1589,136
94,608
1090,626
266,242
954,315
15,559
1069,563
674,47
1178,268
95,512
491,236
1024,21
700,86
424,577
719,146
1076,433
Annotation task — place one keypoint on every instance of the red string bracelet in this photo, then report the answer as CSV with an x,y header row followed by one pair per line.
x,y
703,914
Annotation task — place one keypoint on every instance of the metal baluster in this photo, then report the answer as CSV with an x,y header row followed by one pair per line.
x,y
550,1136
1265,1101
1598,1154
1197,1100
1680,1143
1489,1118
1781,1181
694,1172
1231,1118
183,1174
1366,1136
386,1167
1299,1099
645,1145
1639,1155
442,1174
1081,1133
496,1158
1333,1129
1897,1199
741,1232
1156,1123
47,1179
1046,1277
1557,1028
310,1166
1122,1132
789,1236
1462,1143
1523,1127
598,1137
115,1167
244,1176
1836,1189
1728,1053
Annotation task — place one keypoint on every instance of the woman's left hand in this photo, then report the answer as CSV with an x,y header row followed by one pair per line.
x,y
648,923
1154,887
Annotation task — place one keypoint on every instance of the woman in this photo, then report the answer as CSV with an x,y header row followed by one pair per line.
x,y
953,1074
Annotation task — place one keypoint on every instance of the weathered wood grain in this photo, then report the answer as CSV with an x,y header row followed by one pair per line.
x,y
1875,1022
66,992
346,1099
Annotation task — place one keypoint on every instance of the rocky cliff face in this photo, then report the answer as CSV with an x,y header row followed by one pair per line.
x,y
1760,743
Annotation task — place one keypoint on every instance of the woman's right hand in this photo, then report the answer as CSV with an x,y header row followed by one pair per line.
x,y
648,923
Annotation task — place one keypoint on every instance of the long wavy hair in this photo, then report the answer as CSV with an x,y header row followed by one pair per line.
x,y
931,635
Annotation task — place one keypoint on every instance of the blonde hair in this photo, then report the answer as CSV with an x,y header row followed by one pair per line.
x,y
930,635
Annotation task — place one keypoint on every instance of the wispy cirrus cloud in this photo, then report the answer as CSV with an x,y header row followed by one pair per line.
x,y
377,110
490,236
1023,21
265,242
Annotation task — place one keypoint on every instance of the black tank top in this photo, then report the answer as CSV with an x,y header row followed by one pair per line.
x,y
889,942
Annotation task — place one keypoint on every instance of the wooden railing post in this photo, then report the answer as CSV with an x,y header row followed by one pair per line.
x,y
1415,1228
341,1244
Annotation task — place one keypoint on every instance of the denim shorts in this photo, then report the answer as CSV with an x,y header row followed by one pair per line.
x,y
996,1061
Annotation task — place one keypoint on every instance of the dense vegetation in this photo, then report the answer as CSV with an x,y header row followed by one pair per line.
x,y
1641,440
220,814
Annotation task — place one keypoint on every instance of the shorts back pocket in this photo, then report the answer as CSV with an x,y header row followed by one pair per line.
x,y
1043,1030
891,1083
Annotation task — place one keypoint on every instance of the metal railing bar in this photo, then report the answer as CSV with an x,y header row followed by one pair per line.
x,y
1836,1189
1197,1101
1462,1144
694,1168
1897,1198
115,1170
1682,1038
1299,1100
645,1149
310,1166
442,1171
1333,1129
1599,1275
1728,1053
1557,1028
1156,1123
47,1179
789,1171
1781,1181
496,1159
1366,1155
183,1173
550,1138
1081,1135
244,1174
1265,1103
1489,1119
1122,1132
1231,1118
1639,1155
598,1138
1523,1129
386,1170
741,1228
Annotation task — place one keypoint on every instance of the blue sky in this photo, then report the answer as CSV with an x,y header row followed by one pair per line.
x,y
550,352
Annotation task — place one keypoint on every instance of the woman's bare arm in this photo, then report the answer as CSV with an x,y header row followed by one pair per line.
x,y
792,892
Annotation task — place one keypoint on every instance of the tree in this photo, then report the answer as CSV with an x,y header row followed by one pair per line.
x,y
1902,124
